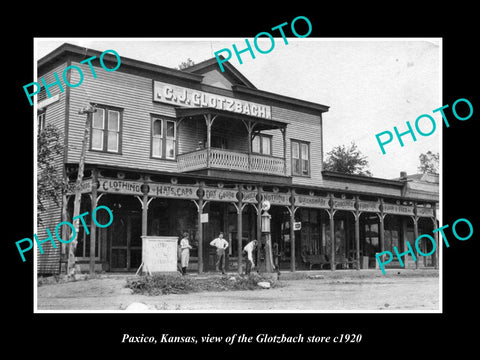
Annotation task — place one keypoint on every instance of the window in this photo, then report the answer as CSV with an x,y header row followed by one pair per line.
x,y
262,144
41,121
300,158
163,138
106,125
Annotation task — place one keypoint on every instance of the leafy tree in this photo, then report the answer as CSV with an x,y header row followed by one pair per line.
x,y
429,162
49,181
347,160
185,64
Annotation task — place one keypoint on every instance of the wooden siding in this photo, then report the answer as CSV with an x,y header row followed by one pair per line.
x,y
49,261
304,127
133,94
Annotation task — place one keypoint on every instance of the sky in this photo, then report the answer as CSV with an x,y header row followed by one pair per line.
x,y
370,84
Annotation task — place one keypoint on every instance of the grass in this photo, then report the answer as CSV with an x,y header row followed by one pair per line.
x,y
164,284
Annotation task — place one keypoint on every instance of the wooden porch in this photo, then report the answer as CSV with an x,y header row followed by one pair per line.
x,y
224,159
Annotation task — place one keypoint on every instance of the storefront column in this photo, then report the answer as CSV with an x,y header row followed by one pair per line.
x,y
381,228
415,236
93,225
292,210
331,214
259,220
357,214
239,234
437,249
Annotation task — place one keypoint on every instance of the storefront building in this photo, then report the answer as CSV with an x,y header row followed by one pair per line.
x,y
200,151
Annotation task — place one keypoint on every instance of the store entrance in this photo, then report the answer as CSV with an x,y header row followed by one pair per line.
x,y
126,242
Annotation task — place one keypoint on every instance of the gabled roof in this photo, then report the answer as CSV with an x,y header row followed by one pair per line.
x,y
231,73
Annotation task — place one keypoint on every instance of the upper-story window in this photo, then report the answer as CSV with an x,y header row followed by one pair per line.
x,y
41,120
262,144
300,158
106,130
164,138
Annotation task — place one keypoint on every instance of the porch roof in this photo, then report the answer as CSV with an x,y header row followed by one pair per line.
x,y
261,123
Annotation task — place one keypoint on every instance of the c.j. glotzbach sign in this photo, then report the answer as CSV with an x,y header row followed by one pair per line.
x,y
178,95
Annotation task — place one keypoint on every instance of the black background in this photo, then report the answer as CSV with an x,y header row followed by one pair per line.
x,y
58,335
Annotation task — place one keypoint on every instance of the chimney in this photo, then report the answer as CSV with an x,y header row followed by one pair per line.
x,y
403,175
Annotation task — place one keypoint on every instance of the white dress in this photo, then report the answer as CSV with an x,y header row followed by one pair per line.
x,y
184,252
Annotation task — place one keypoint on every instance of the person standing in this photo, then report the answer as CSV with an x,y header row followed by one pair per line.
x,y
184,252
221,244
248,249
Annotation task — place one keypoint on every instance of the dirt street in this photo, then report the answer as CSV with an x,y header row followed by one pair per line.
x,y
320,291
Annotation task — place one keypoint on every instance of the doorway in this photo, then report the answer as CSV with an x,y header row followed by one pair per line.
x,y
126,242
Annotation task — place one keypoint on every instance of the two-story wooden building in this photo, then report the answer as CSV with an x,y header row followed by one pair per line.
x,y
167,147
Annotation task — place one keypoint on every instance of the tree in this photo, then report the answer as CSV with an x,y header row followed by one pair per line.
x,y
185,64
347,160
429,162
50,184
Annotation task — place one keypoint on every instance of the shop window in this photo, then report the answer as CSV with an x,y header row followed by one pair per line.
x,y
106,130
262,144
164,138
300,158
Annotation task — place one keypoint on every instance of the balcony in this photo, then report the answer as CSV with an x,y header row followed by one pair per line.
x,y
221,159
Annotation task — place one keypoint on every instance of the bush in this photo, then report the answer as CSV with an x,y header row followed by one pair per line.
x,y
165,284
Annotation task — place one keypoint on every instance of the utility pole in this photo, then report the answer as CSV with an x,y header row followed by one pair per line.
x,y
89,110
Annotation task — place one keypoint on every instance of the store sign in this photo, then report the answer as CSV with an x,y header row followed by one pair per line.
x,y
368,206
130,187
173,191
344,204
249,197
85,187
276,198
120,186
311,201
217,194
178,95
398,209
424,211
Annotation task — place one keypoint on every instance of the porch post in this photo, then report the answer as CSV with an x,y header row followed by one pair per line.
x,y
292,232
259,220
356,214
144,214
381,229
415,236
331,214
93,225
208,121
200,229
239,232
284,135
435,236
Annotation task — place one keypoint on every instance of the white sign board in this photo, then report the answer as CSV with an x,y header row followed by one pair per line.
x,y
159,254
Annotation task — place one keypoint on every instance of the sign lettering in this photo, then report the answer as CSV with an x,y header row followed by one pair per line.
x,y
178,95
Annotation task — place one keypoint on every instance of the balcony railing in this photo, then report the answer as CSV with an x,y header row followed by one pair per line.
x,y
230,160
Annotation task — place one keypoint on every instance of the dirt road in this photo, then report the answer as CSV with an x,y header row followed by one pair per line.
x,y
321,292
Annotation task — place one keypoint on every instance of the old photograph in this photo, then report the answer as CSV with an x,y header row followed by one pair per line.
x,y
279,174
